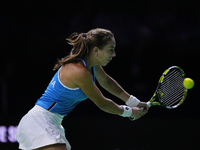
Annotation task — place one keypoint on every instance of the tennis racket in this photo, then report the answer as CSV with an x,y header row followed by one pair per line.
x,y
170,92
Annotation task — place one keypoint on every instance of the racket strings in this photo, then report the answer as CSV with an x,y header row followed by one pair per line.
x,y
172,89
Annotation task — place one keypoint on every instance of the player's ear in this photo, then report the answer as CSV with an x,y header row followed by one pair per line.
x,y
96,50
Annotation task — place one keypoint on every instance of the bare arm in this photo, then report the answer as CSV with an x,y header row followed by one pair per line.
x,y
114,88
84,79
110,84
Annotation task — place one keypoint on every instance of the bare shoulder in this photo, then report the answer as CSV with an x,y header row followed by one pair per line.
x,y
73,73
75,67
77,75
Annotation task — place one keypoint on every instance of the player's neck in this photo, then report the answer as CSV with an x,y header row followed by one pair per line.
x,y
90,62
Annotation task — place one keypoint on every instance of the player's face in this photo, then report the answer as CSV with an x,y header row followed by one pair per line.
x,y
106,54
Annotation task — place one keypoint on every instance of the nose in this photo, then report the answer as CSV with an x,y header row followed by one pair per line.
x,y
113,54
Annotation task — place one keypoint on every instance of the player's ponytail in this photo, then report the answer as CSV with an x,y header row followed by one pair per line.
x,y
79,50
83,43
79,43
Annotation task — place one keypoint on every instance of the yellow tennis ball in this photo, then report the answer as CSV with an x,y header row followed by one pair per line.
x,y
188,83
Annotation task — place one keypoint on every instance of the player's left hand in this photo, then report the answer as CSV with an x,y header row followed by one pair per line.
x,y
144,106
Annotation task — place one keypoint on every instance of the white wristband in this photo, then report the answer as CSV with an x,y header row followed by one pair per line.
x,y
127,111
132,101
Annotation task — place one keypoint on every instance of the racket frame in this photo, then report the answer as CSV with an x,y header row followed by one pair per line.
x,y
156,98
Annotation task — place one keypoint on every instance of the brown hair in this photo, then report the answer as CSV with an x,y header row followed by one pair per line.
x,y
83,43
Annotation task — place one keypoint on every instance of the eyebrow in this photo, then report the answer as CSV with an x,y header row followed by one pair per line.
x,y
112,47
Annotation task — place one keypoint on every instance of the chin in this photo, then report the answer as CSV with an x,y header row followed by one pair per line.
x,y
105,64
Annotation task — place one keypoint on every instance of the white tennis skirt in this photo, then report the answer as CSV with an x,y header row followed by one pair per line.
x,y
39,128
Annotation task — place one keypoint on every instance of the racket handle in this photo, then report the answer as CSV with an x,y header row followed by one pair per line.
x,y
148,103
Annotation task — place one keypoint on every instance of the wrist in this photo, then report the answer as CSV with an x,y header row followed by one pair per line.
x,y
127,111
132,101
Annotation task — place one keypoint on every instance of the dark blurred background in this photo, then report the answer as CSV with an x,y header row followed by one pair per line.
x,y
150,37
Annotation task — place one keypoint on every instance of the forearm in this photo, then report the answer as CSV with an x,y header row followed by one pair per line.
x,y
114,88
111,107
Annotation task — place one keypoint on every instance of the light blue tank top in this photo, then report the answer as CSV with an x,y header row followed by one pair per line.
x,y
60,99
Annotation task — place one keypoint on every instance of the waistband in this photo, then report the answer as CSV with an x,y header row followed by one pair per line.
x,y
38,108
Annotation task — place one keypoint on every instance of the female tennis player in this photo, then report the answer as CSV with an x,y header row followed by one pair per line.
x,y
74,82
